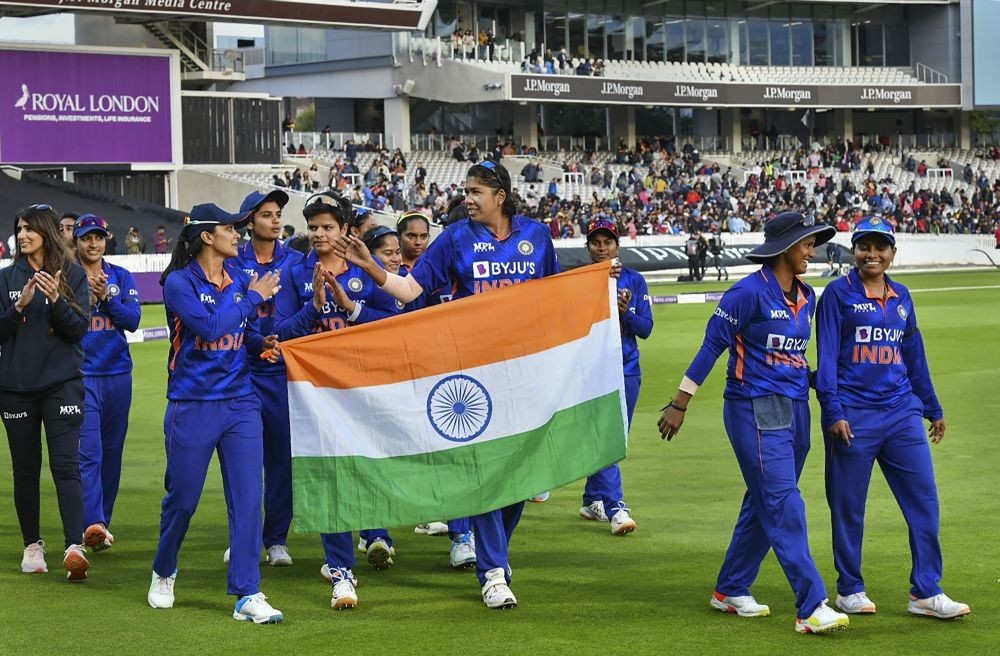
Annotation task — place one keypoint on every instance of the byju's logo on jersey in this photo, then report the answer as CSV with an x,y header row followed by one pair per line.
x,y
69,410
863,334
860,308
780,314
525,247
480,270
15,415
482,247
786,343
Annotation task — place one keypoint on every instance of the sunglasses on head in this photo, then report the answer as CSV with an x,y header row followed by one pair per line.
x,y
40,206
324,199
91,221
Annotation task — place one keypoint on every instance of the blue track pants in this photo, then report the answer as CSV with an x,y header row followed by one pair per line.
x,y
273,394
106,403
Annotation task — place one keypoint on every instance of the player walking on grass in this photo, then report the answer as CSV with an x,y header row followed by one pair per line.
x,y
874,388
324,293
493,248
764,321
44,301
211,309
602,495
107,378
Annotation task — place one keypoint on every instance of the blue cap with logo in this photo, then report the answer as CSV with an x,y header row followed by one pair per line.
x,y
257,198
208,215
873,225
89,223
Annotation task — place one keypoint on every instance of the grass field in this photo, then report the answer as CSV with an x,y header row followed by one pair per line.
x,y
581,590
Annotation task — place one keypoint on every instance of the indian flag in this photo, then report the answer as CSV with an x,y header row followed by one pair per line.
x,y
457,409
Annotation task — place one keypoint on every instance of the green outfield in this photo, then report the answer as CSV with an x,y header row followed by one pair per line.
x,y
581,590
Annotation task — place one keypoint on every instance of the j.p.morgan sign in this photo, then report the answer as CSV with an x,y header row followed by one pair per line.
x,y
562,88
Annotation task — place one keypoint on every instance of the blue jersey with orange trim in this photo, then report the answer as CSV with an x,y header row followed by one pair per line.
x,y
637,321
296,316
105,349
208,324
766,336
469,257
870,352
284,260
427,299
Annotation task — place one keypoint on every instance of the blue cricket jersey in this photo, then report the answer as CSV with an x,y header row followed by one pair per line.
x,y
427,298
295,315
284,261
105,349
637,321
870,351
766,336
470,259
208,325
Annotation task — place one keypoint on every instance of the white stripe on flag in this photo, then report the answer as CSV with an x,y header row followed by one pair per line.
x,y
384,421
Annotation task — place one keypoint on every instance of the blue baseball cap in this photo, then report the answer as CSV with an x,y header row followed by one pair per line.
x,y
787,229
89,223
873,225
257,198
207,215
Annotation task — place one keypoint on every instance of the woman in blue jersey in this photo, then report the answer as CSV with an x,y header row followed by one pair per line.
x,y
211,307
495,247
107,378
44,315
764,321
602,495
875,389
324,293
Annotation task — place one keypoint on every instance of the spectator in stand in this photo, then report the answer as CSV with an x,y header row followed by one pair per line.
x,y
161,243
134,243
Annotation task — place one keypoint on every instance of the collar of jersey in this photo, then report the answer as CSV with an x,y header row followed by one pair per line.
x,y
854,277
772,283
312,260
516,223
199,272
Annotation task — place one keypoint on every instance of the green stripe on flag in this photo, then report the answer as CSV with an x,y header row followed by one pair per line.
x,y
352,492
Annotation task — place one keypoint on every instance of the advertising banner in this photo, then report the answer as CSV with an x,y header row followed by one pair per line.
x,y
84,108
659,258
569,88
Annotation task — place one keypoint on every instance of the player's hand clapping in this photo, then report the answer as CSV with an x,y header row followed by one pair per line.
x,y
267,285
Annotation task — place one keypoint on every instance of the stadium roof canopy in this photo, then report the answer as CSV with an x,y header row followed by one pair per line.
x,y
396,15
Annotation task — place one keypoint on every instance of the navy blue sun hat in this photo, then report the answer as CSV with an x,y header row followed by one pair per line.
x,y
873,225
207,215
257,198
787,229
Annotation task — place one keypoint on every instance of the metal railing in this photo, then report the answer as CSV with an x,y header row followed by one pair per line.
x,y
925,73
336,140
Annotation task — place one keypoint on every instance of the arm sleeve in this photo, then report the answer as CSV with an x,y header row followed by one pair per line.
x,y
253,339
828,333
188,306
69,323
639,318
915,359
432,271
124,309
734,310
552,266
294,314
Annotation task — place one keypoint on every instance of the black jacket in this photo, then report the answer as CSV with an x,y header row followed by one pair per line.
x,y
43,347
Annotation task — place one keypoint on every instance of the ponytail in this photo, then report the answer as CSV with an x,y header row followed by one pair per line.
x,y
189,244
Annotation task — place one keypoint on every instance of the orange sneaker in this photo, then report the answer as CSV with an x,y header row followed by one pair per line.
x,y
98,537
76,563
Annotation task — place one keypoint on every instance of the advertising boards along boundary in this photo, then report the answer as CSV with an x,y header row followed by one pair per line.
x,y
568,88
82,105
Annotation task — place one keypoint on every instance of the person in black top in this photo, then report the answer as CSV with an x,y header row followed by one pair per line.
x,y
44,314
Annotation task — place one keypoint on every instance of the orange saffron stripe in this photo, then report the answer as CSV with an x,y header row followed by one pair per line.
x,y
739,358
502,324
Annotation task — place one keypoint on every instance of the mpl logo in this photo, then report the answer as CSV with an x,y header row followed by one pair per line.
x,y
69,410
480,270
482,247
208,298
860,308
863,334
308,287
780,314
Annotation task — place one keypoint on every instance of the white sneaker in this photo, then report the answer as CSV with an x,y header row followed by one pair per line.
x,y
33,561
76,563
744,606
254,608
324,571
541,497
345,594
594,511
823,619
362,545
225,556
939,606
856,604
431,528
463,552
278,556
496,593
161,591
621,523
380,554
98,537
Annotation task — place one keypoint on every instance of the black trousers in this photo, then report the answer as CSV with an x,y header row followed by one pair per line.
x,y
60,410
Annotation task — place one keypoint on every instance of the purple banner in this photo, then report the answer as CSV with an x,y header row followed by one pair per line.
x,y
84,108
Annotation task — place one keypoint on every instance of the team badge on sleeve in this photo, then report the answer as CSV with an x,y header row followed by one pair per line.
x,y
355,285
902,312
525,247
237,297
114,290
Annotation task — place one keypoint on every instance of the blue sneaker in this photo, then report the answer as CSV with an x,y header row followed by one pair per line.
x,y
254,608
